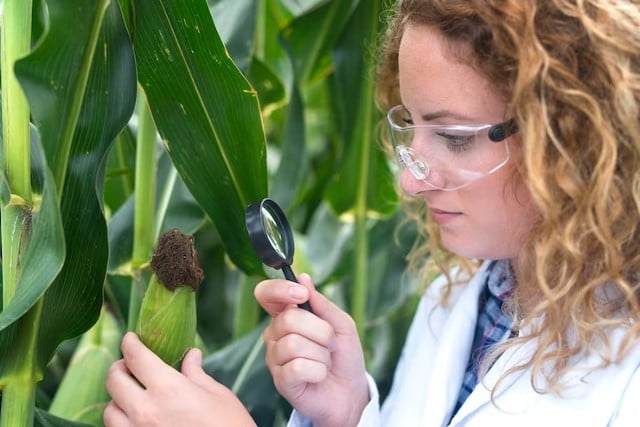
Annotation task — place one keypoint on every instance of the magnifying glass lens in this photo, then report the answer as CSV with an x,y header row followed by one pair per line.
x,y
271,237
273,232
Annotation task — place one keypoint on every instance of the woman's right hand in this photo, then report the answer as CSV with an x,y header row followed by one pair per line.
x,y
316,359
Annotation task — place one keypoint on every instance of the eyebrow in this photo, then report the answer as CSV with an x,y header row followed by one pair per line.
x,y
441,114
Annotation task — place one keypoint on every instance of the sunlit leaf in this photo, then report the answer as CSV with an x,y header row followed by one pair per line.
x,y
44,419
240,366
73,301
238,39
206,113
45,248
310,37
293,165
363,178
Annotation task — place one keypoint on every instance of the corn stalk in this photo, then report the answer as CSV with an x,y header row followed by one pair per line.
x,y
20,381
39,309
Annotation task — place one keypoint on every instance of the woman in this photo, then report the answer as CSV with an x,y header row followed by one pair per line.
x,y
518,136
519,130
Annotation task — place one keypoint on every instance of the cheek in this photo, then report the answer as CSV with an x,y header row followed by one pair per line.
x,y
512,220
500,214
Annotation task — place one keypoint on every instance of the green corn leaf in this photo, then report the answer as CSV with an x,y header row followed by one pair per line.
x,y
73,301
363,181
44,251
227,14
44,419
207,114
310,37
81,395
293,163
363,185
237,367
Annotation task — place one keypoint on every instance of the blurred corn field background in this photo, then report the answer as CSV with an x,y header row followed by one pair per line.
x,y
124,119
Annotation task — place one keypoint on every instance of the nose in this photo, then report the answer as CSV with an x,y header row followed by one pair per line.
x,y
412,186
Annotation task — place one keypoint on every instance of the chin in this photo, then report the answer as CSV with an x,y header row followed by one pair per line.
x,y
463,251
470,251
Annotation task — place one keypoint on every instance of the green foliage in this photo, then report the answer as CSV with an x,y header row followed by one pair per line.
x,y
248,99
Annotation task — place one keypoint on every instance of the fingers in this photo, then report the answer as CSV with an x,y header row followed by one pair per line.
x,y
123,388
276,295
192,363
292,347
303,323
192,369
145,365
113,416
325,309
297,373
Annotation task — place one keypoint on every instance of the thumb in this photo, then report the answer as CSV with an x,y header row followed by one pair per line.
x,y
192,369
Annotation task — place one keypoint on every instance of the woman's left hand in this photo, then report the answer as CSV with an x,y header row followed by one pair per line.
x,y
148,392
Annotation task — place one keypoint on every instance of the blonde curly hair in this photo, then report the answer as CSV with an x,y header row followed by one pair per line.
x,y
570,70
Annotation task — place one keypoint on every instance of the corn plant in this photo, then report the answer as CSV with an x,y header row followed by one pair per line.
x,y
148,116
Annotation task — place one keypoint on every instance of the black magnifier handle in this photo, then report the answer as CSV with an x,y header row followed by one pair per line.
x,y
288,274
272,238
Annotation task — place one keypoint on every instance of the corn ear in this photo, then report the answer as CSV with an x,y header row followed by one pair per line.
x,y
167,320
81,395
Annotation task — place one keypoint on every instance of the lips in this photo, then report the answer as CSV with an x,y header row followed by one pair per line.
x,y
441,217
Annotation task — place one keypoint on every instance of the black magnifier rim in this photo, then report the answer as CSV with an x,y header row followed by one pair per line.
x,y
258,236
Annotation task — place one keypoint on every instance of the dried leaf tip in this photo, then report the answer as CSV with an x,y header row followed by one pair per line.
x,y
175,261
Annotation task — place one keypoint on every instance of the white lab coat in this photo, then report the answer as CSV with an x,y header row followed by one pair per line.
x,y
428,377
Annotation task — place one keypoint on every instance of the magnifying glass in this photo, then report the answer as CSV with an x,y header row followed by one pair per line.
x,y
271,237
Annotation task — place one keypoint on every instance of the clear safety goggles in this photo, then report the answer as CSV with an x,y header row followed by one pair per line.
x,y
448,157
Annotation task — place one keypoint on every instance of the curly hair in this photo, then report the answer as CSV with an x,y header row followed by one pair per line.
x,y
570,71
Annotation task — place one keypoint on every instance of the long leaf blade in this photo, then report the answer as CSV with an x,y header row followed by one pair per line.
x,y
44,251
73,301
364,180
207,114
310,37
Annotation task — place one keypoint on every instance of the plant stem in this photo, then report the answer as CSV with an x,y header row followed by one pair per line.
x,y
18,395
119,146
163,201
359,295
18,401
364,121
145,185
145,191
16,42
361,250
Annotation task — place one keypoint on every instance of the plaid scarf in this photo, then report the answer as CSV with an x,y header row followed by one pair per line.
x,y
492,326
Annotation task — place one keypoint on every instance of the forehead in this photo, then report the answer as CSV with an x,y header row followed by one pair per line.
x,y
432,77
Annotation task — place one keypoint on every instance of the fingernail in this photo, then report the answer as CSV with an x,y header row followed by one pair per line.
x,y
297,292
196,355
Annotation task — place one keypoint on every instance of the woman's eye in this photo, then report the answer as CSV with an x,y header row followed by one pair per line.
x,y
457,143
407,121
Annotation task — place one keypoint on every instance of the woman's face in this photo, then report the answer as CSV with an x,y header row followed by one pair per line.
x,y
489,218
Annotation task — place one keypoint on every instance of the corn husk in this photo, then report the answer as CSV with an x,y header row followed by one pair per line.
x,y
167,321
81,395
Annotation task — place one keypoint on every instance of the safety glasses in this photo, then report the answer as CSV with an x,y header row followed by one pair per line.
x,y
449,157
